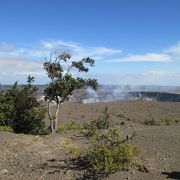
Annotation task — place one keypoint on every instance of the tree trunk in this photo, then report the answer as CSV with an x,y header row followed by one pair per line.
x,y
57,117
53,131
51,118
53,121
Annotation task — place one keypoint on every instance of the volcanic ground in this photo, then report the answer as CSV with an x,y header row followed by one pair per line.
x,y
45,157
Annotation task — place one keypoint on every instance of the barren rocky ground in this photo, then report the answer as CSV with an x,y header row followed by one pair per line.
x,y
46,157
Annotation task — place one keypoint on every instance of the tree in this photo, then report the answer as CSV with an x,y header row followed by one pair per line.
x,y
59,68
29,114
21,110
7,105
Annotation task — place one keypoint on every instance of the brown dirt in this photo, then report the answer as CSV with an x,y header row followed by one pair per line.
x,y
44,157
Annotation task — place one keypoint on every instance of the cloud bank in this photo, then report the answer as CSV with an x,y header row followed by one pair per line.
x,y
17,62
149,57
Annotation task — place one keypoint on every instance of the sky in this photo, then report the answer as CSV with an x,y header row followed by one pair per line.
x,y
134,42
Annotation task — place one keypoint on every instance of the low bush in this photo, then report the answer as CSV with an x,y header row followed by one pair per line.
x,y
157,121
122,116
122,123
29,121
70,126
109,153
90,130
101,123
6,128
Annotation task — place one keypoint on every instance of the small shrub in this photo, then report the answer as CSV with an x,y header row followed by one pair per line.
x,y
121,116
6,128
46,130
104,119
66,143
30,121
122,123
156,121
90,130
74,152
70,126
109,153
82,116
150,122
101,123
128,119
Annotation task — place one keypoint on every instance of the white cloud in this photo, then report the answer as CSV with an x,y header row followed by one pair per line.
x,y
54,44
15,67
157,73
106,51
79,51
18,62
149,57
4,47
44,48
175,49
171,54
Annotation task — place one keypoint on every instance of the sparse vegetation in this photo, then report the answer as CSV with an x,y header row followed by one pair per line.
x,y
66,143
158,121
6,128
122,123
89,130
72,156
122,116
70,126
82,116
101,123
104,120
109,153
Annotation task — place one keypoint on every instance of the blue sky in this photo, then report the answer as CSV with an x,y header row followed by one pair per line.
x,y
133,41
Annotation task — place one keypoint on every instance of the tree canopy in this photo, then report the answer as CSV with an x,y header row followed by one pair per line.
x,y
60,69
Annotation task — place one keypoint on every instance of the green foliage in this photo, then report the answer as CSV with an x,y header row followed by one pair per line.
x,y
6,128
157,121
109,153
6,108
70,126
90,130
66,143
74,152
21,110
101,123
104,119
29,121
62,82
